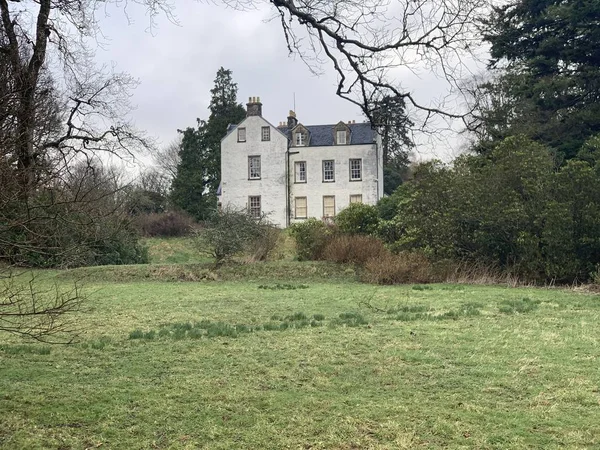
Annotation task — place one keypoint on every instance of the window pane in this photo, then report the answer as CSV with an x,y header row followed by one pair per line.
x,y
301,208
341,137
300,172
241,135
356,198
254,167
254,206
300,139
328,171
266,133
355,169
328,206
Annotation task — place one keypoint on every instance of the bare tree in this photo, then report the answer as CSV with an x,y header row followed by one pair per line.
x,y
58,112
30,311
94,102
166,159
367,42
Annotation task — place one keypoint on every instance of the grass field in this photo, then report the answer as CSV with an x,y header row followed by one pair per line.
x,y
441,366
311,361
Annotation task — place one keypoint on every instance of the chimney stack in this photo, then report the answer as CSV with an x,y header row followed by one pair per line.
x,y
292,121
254,107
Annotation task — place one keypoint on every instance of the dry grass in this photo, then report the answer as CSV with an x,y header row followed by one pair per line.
x,y
477,273
406,267
355,249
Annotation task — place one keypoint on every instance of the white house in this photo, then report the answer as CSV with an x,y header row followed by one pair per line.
x,y
295,171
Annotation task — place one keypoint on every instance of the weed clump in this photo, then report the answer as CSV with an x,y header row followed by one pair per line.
x,y
296,316
521,306
349,319
140,334
286,287
420,287
25,349
410,313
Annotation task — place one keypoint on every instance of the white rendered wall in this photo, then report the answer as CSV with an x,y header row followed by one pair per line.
x,y
235,185
370,186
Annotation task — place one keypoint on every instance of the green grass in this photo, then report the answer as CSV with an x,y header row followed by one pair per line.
x,y
175,250
211,365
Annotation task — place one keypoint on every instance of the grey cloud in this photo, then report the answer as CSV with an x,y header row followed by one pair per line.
x,y
176,65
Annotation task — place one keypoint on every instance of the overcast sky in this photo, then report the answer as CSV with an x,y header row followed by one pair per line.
x,y
176,65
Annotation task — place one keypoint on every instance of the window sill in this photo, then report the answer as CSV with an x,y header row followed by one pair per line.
x,y
356,179
328,181
299,182
254,179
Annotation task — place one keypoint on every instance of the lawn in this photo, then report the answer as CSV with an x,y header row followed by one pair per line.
x,y
310,363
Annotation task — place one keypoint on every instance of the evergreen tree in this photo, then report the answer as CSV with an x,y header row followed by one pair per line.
x,y
198,174
548,52
392,123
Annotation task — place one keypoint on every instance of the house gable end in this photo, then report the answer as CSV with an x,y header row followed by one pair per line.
x,y
232,127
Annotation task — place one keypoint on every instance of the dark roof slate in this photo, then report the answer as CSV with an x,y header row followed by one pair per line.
x,y
322,135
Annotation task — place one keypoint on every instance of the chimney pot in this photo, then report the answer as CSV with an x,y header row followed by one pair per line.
x,y
292,121
254,107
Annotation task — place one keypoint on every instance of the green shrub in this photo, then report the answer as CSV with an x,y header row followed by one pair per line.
x,y
311,237
358,218
77,220
387,207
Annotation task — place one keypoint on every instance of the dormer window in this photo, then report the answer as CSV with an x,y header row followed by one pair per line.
x,y
300,139
341,134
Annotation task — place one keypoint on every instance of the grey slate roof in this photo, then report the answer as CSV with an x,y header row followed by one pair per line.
x,y
322,135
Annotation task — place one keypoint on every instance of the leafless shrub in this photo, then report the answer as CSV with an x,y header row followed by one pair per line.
x,y
353,249
231,232
405,267
472,272
264,244
166,224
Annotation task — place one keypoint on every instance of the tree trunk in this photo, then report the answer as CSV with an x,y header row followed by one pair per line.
x,y
26,78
